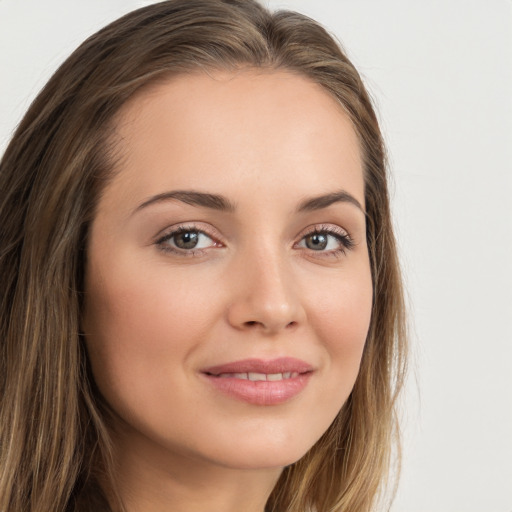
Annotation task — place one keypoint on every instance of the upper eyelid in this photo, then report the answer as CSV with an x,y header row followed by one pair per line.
x,y
186,226
325,228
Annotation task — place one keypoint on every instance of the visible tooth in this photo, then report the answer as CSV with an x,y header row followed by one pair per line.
x,y
254,376
257,376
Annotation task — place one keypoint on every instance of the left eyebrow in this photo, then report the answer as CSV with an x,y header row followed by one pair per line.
x,y
320,202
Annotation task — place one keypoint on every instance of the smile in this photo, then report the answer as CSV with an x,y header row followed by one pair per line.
x,y
260,382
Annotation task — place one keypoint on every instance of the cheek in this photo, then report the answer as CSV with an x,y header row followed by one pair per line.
x,y
341,314
140,304
140,330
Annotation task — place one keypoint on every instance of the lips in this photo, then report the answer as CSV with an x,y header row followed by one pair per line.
x,y
260,382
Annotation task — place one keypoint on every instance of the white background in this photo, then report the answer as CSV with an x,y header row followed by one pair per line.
x,y
441,75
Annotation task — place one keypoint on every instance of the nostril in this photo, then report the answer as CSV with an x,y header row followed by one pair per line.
x,y
255,323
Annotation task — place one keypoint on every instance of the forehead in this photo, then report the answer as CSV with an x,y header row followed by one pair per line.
x,y
257,128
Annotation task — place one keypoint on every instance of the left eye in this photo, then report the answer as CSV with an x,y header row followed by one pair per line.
x,y
322,241
189,239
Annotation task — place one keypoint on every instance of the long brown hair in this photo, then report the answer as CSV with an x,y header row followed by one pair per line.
x,y
54,445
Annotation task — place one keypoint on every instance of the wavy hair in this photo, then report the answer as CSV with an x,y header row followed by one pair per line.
x,y
54,444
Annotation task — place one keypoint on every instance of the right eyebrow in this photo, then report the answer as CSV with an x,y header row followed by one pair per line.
x,y
192,197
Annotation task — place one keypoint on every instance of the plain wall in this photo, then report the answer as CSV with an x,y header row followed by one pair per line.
x,y
440,73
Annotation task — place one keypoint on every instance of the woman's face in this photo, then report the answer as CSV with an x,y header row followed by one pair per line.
x,y
228,287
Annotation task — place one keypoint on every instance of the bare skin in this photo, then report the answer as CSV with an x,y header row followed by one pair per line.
x,y
211,246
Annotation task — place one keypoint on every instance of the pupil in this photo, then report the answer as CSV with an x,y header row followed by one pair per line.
x,y
187,240
316,242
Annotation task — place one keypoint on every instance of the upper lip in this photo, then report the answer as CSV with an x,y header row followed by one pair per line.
x,y
279,365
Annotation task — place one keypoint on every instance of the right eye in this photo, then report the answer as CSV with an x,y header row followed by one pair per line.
x,y
186,241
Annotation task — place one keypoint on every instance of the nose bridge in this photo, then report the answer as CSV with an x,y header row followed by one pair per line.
x,y
266,296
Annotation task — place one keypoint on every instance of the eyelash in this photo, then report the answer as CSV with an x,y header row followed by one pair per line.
x,y
165,247
344,239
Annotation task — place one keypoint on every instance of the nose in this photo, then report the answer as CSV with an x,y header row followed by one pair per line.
x,y
265,297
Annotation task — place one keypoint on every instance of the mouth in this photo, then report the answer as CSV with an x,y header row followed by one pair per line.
x,y
260,382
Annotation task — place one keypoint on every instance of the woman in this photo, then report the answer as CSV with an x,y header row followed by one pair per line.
x,y
202,304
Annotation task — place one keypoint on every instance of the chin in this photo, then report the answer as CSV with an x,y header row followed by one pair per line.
x,y
263,460
265,451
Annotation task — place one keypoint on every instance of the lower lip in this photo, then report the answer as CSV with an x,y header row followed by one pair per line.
x,y
262,392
